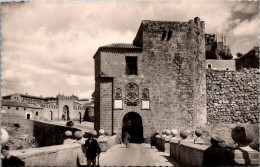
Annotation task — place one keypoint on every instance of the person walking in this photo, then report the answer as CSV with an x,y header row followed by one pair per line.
x,y
92,149
126,139
153,140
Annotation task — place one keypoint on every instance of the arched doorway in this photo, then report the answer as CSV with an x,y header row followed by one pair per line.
x,y
51,115
86,117
79,117
132,123
66,113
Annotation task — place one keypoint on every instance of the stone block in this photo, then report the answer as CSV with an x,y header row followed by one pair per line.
x,y
246,156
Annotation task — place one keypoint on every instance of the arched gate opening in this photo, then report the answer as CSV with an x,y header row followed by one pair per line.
x,y
66,113
132,123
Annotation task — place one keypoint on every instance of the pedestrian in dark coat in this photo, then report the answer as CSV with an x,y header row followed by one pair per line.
x,y
92,149
126,139
153,140
217,155
8,160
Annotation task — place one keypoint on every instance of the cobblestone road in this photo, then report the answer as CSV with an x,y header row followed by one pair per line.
x,y
135,155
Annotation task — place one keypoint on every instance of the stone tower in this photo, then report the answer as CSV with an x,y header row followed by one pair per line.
x,y
159,80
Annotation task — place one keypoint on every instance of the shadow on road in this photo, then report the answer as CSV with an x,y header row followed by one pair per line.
x,y
171,160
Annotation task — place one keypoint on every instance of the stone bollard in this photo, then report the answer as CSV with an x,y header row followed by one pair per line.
x,y
4,136
67,138
198,139
184,135
162,141
175,149
167,140
174,133
102,140
243,154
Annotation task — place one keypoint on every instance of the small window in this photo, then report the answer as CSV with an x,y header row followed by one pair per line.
x,y
209,66
169,35
36,113
9,107
16,125
163,35
131,65
17,108
227,69
24,109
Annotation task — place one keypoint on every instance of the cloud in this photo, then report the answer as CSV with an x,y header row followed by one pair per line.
x,y
247,27
48,47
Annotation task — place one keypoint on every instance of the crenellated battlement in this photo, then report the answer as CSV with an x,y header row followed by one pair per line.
x,y
63,97
166,30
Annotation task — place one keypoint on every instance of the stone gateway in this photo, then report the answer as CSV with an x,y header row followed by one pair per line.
x,y
157,82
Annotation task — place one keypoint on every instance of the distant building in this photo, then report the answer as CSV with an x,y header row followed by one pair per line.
x,y
221,65
249,60
215,49
218,54
46,108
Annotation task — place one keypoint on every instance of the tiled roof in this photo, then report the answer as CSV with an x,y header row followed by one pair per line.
x,y
83,100
18,104
30,96
121,45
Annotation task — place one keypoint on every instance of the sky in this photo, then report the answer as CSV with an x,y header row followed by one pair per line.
x,y
48,47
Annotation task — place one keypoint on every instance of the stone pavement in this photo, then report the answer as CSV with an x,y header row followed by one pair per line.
x,y
135,155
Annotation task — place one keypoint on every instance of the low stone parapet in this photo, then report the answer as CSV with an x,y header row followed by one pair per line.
x,y
246,156
58,155
190,154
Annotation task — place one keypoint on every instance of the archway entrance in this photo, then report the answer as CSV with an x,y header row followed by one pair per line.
x,y
86,117
51,115
66,113
132,123
80,117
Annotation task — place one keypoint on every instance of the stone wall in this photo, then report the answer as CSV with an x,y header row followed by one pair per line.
x,y
60,155
44,133
189,154
50,114
21,112
229,65
106,104
174,70
233,96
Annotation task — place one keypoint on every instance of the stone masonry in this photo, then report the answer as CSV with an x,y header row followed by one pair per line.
x,y
233,96
170,65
